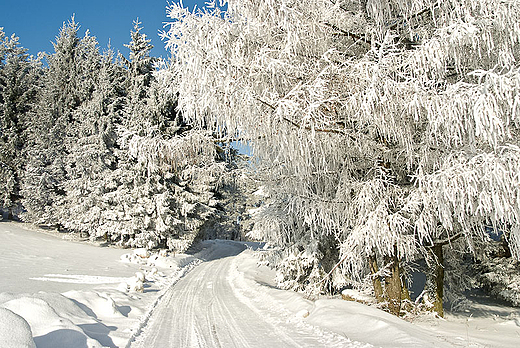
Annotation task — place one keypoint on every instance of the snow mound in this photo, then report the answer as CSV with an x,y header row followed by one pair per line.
x,y
360,322
134,284
142,253
302,314
75,300
15,332
51,323
157,259
356,295
98,305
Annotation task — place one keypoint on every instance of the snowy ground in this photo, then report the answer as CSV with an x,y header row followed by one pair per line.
x,y
60,293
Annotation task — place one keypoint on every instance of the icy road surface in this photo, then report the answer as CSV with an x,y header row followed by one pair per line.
x,y
212,306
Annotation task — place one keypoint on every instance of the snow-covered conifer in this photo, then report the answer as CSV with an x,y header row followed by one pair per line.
x,y
91,158
18,83
67,82
140,68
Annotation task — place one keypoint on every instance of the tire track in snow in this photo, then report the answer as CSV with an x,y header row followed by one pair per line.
x,y
144,321
257,298
204,310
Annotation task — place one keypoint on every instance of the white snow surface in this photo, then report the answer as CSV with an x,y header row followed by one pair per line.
x,y
63,293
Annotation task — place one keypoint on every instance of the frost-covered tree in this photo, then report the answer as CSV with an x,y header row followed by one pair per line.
x,y
108,154
140,68
18,80
168,173
91,158
139,200
153,183
388,129
67,82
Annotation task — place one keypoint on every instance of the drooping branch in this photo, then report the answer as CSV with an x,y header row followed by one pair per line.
x,y
356,37
362,39
413,17
446,241
308,128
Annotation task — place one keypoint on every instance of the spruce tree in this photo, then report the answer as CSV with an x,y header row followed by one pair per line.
x,y
67,82
140,68
18,87
167,172
91,158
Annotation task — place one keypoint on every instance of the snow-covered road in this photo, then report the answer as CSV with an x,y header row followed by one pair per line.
x,y
210,308
55,293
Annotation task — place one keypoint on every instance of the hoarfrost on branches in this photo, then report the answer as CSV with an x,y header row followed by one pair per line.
x,y
385,130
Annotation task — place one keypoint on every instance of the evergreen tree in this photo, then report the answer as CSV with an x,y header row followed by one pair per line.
x,y
107,153
18,86
156,190
140,68
67,82
91,159
166,171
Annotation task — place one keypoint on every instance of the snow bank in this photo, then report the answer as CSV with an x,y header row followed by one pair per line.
x,y
15,332
482,325
105,317
54,320
363,323
161,259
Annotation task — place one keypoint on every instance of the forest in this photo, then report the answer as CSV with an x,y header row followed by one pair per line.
x,y
92,143
384,134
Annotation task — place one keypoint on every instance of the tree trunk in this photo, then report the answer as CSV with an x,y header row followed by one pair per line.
x,y
376,281
393,286
406,300
439,280
405,294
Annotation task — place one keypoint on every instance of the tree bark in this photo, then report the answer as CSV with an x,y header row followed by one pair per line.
x,y
405,294
376,281
439,280
393,286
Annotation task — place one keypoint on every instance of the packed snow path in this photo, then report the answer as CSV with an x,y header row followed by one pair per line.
x,y
60,294
212,307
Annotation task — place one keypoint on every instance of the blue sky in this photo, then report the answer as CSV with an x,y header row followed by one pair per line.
x,y
37,23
